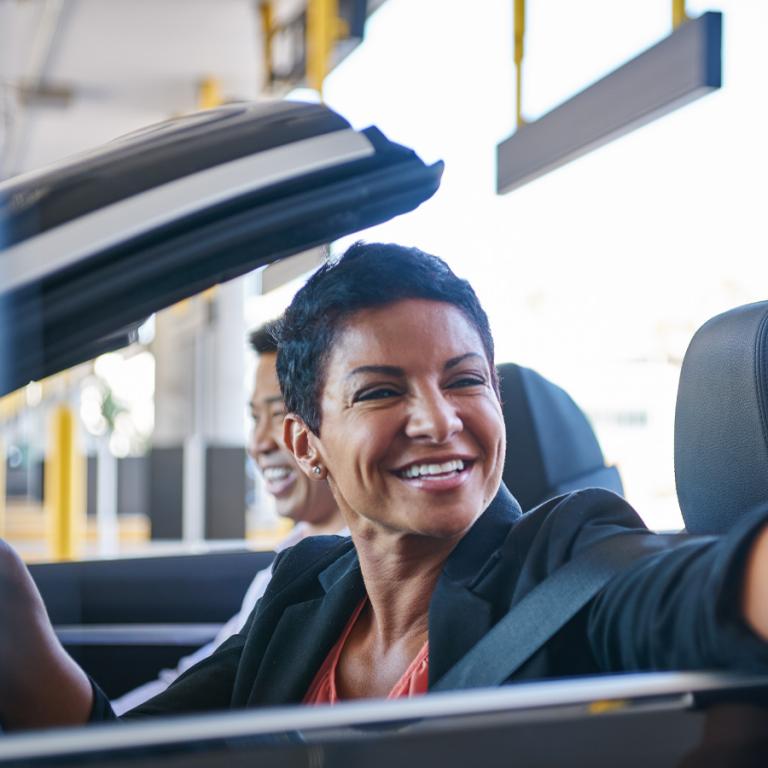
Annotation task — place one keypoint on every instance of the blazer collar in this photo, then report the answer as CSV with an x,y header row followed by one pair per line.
x,y
306,631
469,561
459,613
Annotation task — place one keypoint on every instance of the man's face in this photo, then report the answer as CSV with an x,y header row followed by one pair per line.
x,y
296,495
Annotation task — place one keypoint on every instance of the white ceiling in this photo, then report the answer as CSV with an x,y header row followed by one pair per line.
x,y
118,65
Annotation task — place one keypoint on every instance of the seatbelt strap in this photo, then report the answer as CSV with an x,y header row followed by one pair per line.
x,y
545,610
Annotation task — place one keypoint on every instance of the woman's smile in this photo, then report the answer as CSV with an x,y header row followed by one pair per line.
x,y
436,474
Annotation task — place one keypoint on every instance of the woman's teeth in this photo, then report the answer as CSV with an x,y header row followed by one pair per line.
x,y
425,470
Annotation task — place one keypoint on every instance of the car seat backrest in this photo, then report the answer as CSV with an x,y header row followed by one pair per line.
x,y
721,420
551,447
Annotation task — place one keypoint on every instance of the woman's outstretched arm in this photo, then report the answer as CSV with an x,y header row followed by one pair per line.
x,y
755,595
40,684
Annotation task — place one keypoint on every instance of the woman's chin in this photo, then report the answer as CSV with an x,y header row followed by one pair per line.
x,y
441,527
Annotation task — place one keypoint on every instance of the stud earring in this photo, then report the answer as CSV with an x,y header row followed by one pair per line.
x,y
317,470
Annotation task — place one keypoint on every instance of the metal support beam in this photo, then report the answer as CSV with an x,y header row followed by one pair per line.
x,y
682,67
267,16
679,16
519,52
323,30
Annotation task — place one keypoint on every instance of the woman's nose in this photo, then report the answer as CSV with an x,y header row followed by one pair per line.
x,y
433,417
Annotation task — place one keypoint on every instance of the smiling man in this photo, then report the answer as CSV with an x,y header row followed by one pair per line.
x,y
309,504
296,496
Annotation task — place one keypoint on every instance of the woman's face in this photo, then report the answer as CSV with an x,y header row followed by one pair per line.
x,y
412,434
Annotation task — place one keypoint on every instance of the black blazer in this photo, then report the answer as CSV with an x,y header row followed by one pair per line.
x,y
674,609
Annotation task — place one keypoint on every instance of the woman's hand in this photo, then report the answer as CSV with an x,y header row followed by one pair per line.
x,y
40,684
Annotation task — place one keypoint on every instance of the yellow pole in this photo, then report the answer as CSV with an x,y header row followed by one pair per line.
x,y
519,39
3,489
209,93
323,29
64,487
268,30
679,16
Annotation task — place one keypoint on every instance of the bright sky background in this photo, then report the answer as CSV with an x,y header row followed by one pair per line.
x,y
598,274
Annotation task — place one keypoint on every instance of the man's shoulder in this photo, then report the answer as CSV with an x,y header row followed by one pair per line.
x,y
309,556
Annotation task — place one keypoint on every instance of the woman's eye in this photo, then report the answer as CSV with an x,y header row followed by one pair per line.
x,y
378,393
467,381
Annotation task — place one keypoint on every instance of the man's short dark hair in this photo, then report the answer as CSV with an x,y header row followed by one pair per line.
x,y
367,275
262,340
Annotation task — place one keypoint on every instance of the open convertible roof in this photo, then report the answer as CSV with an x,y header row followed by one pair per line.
x,y
92,246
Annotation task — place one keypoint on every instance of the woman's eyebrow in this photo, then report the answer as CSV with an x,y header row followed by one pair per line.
x,y
386,370
454,361
393,370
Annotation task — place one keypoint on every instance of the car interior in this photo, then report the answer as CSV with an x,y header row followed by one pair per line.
x,y
721,421
695,718
721,449
150,611
115,621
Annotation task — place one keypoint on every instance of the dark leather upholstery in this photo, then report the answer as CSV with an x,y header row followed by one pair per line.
x,y
204,588
551,447
721,421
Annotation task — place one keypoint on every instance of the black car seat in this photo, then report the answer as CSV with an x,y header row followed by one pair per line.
x,y
721,421
551,447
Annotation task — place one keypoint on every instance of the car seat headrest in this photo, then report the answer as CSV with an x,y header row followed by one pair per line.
x,y
721,420
551,447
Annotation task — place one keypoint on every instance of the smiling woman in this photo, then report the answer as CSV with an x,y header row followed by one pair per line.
x,y
386,368
413,435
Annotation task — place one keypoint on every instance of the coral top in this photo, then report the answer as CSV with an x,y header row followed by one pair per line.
x,y
323,689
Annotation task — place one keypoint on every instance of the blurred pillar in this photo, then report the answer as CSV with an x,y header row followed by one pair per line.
x,y
199,348
106,499
64,487
209,93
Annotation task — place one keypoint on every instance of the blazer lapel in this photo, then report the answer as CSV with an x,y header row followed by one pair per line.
x,y
305,633
460,613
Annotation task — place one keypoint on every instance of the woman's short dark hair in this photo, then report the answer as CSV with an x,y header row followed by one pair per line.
x,y
367,275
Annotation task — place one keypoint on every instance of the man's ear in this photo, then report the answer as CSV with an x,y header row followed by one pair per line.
x,y
300,441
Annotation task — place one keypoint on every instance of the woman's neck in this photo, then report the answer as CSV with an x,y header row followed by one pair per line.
x,y
400,573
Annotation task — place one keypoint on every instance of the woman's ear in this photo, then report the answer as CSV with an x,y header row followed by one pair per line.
x,y
300,441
